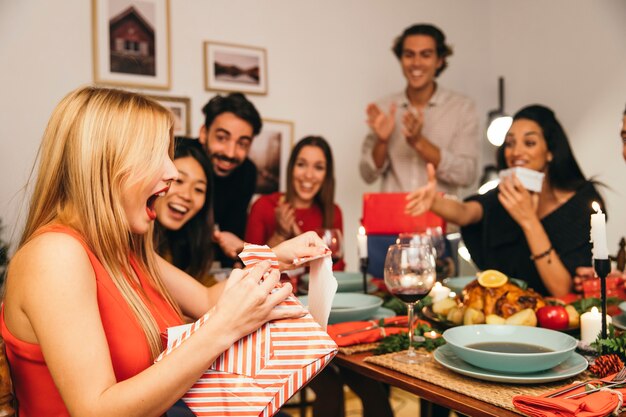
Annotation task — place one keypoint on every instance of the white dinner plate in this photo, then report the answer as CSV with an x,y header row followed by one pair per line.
x,y
619,321
303,288
382,313
572,366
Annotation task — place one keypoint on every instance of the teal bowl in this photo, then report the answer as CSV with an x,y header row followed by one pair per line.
x,y
350,307
556,346
347,282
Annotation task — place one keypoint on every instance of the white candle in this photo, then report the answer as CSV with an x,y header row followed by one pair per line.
x,y
598,233
404,260
409,280
591,325
361,240
439,292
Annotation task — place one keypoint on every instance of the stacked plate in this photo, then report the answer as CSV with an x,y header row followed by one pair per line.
x,y
513,354
619,321
348,282
354,307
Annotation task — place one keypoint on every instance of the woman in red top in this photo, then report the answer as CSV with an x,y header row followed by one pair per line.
x,y
86,295
307,205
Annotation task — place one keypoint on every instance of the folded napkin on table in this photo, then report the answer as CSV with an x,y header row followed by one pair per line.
x,y
368,331
598,404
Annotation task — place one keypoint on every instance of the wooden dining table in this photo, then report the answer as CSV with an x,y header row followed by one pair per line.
x,y
424,389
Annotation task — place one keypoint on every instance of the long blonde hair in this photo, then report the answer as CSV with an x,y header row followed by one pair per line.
x,y
98,142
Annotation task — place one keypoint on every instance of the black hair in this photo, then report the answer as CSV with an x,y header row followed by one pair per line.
x,y
443,50
191,247
563,170
325,197
235,103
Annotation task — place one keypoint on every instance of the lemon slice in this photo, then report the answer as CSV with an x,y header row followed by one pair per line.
x,y
492,278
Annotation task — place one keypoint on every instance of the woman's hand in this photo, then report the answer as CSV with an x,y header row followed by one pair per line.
x,y
381,124
249,299
518,202
306,244
286,225
422,199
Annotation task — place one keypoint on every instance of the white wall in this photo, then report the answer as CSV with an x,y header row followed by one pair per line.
x,y
326,60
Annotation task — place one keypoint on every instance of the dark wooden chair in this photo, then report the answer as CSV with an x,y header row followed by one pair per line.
x,y
6,387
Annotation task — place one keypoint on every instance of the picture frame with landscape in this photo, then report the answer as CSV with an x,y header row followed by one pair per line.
x,y
270,152
181,109
230,67
131,43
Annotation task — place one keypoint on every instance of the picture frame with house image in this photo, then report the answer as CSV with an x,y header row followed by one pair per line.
x,y
131,43
230,67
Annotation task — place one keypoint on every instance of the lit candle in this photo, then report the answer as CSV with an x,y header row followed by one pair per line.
x,y
598,233
432,334
404,260
409,280
361,239
439,292
591,325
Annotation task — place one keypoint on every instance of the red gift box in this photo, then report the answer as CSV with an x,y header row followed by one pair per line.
x,y
614,287
383,214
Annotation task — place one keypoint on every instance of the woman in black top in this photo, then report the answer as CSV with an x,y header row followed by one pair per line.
x,y
539,237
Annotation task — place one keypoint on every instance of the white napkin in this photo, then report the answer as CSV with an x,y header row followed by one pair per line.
x,y
322,288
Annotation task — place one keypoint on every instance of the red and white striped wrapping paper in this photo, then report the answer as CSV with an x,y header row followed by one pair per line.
x,y
261,371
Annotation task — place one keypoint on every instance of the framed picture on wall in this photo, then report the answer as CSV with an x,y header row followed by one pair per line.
x,y
180,108
270,153
131,45
229,67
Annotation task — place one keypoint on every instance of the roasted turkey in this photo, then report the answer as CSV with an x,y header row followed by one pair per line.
x,y
503,301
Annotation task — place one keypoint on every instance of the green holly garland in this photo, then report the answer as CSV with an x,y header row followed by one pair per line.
x,y
399,342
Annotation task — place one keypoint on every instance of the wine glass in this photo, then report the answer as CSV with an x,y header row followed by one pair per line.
x,y
409,276
437,240
333,238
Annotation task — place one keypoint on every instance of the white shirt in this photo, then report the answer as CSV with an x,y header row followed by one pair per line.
x,y
450,123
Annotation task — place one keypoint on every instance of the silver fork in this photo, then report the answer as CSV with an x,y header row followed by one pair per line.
x,y
619,379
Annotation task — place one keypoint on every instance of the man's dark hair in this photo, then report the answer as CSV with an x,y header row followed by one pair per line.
x,y
443,50
235,103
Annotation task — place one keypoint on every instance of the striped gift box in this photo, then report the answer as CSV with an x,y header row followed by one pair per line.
x,y
261,371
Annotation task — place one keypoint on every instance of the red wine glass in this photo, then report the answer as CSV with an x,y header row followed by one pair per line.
x,y
410,275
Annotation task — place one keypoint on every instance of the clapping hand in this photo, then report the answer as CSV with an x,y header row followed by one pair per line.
x,y
286,224
413,121
517,201
381,124
422,199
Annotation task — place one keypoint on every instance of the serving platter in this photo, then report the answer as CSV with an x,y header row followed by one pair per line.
x,y
457,284
574,365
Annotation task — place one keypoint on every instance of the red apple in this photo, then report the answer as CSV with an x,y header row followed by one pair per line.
x,y
553,317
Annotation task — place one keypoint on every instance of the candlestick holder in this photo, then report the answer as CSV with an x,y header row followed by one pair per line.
x,y
602,268
364,264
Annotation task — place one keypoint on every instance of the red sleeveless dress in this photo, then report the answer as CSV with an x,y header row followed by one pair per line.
x,y
130,354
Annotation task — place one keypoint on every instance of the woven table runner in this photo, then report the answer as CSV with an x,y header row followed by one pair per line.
x,y
363,347
496,393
